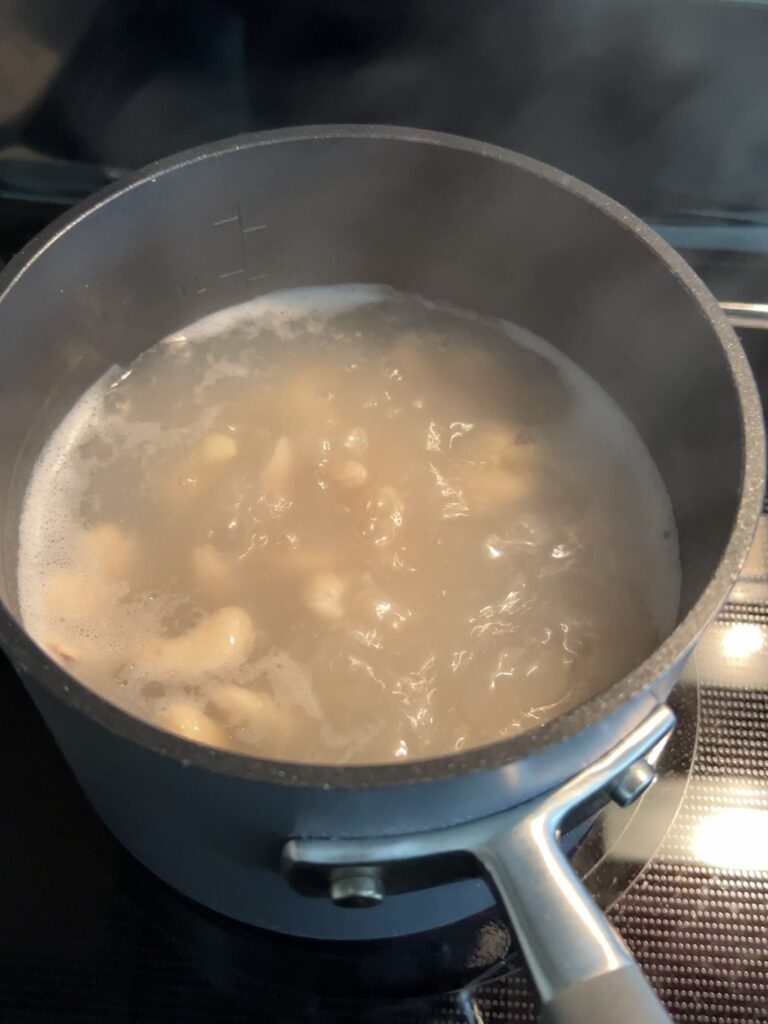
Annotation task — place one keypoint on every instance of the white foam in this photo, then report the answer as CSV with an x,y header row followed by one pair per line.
x,y
291,682
281,309
48,514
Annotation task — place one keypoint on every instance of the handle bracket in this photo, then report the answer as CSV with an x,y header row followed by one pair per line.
x,y
567,943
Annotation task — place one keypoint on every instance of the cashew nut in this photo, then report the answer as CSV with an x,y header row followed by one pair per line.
x,y
90,657
213,570
307,393
217,448
489,489
501,447
323,593
221,641
62,651
356,441
385,501
350,475
78,596
308,558
201,466
193,724
115,550
254,715
275,477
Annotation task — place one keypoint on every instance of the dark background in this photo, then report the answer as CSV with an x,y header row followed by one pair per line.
x,y
661,104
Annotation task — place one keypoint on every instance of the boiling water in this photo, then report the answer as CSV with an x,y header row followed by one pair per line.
x,y
344,525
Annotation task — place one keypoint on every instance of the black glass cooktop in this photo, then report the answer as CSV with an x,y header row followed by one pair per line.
x,y
87,935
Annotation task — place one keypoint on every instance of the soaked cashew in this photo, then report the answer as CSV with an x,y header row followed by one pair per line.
x,y
349,475
212,569
488,489
221,641
356,441
115,550
254,715
217,448
200,467
502,467
323,595
499,446
109,554
308,393
77,596
83,655
62,651
190,722
385,501
309,558
275,477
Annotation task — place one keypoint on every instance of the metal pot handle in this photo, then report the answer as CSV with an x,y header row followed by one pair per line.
x,y
581,968
623,995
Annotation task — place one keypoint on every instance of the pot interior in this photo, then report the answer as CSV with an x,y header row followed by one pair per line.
x,y
476,228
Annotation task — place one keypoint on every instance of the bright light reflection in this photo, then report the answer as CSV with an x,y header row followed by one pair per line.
x,y
736,838
741,640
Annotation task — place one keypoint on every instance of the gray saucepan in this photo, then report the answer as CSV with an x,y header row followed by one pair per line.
x,y
362,852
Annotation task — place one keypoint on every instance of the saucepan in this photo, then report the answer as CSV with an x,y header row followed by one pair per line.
x,y
360,852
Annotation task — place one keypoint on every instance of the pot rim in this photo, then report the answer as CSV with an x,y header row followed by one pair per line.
x,y
33,661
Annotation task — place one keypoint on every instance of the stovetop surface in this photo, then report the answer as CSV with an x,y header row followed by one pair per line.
x,y
87,935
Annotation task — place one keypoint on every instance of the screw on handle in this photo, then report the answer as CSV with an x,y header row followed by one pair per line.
x,y
581,968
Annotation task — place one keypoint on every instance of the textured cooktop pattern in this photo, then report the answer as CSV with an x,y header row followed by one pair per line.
x,y
697,917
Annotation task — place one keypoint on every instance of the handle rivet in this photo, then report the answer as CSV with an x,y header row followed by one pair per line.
x,y
356,887
633,783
